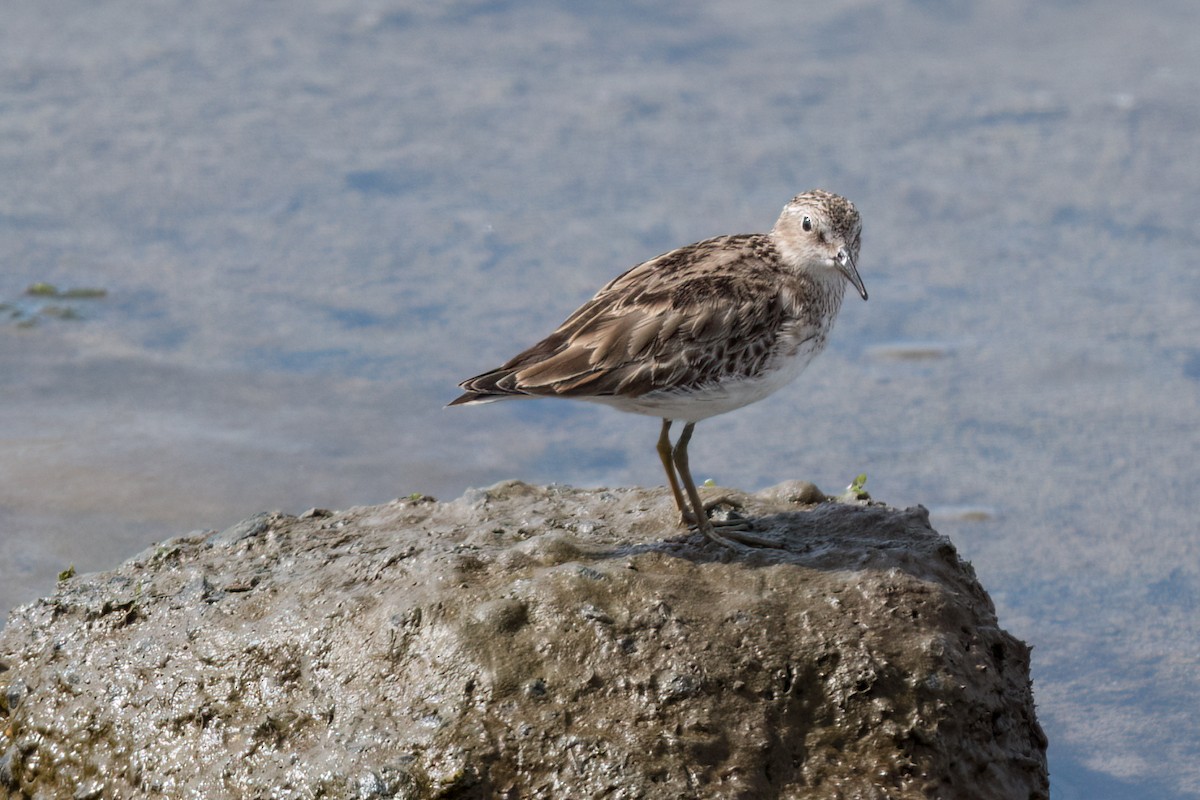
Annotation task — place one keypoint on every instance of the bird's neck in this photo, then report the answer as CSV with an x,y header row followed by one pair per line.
x,y
816,295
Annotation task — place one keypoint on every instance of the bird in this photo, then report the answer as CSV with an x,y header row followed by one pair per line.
x,y
698,331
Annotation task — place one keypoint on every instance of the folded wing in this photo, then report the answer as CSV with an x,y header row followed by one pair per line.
x,y
673,323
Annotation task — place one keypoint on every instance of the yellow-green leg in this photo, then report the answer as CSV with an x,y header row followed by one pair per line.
x,y
675,461
664,453
680,459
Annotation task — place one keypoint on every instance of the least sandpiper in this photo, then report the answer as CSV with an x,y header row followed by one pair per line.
x,y
698,331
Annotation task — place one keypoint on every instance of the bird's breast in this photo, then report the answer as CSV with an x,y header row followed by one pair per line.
x,y
725,393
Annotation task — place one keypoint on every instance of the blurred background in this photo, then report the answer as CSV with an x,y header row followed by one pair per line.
x,y
248,249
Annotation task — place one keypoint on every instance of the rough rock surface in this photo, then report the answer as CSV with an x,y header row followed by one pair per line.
x,y
527,642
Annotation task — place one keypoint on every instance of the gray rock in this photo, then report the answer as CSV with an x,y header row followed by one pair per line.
x,y
253,526
498,646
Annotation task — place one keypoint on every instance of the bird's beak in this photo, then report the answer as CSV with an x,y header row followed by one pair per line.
x,y
846,267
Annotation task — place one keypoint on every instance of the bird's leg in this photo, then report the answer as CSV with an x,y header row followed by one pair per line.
x,y
664,453
703,523
680,459
686,516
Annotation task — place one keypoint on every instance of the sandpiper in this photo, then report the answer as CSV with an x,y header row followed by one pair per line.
x,y
698,331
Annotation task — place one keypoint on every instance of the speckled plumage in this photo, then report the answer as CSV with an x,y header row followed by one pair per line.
x,y
700,330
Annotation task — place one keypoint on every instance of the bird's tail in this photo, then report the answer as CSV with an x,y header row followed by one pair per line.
x,y
487,388
476,398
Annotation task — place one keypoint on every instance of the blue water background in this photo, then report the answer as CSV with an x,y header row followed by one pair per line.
x,y
313,219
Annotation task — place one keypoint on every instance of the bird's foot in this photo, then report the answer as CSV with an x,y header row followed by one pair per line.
x,y
735,531
731,520
724,500
739,538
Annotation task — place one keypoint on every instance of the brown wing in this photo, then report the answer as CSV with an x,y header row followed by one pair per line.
x,y
694,315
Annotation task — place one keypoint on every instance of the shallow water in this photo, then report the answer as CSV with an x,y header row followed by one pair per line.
x,y
312,221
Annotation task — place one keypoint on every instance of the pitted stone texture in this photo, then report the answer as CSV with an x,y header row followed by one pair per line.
x,y
525,641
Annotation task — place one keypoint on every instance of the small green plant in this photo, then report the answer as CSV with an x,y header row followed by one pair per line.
x,y
60,312
42,289
43,300
67,574
857,490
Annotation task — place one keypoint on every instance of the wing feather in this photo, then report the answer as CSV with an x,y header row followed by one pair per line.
x,y
651,328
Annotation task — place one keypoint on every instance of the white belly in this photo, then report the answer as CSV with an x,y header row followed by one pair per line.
x,y
714,399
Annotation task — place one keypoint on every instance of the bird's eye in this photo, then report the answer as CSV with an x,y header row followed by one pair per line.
x,y
806,223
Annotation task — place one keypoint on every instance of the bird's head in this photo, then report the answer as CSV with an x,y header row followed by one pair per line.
x,y
819,230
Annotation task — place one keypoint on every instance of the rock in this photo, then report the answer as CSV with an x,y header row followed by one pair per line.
x,y
525,642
